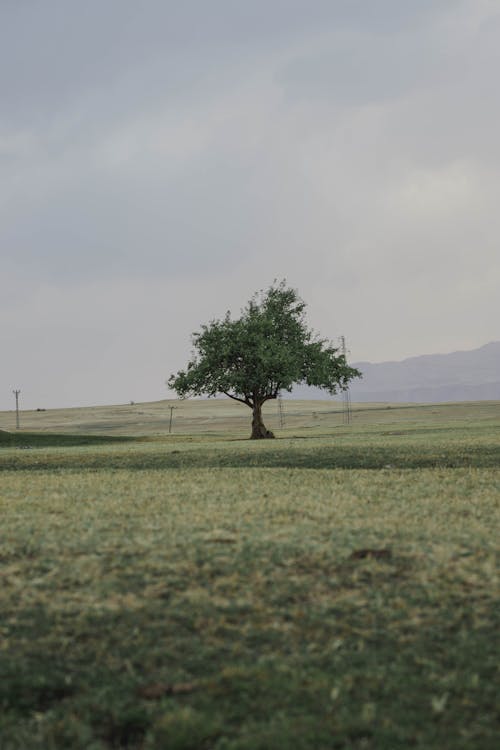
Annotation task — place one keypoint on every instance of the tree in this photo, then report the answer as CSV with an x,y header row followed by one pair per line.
x,y
257,356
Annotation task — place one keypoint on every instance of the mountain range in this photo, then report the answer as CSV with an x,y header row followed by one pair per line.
x,y
460,376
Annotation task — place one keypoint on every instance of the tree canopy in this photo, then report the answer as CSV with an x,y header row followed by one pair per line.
x,y
266,351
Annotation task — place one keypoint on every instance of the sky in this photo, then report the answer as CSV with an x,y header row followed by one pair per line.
x,y
161,161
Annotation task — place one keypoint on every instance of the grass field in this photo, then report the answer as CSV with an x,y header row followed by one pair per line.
x,y
222,418
335,588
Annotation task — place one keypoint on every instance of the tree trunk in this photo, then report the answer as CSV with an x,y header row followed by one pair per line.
x,y
259,429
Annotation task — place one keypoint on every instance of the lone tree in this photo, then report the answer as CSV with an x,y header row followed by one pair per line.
x,y
265,351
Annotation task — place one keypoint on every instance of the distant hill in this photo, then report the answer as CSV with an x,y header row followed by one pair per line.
x,y
459,376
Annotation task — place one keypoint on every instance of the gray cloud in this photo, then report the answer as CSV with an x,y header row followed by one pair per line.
x,y
160,164
55,52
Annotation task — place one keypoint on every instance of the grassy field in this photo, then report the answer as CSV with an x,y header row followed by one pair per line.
x,y
335,588
224,418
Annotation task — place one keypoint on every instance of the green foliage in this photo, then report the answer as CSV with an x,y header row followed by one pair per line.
x,y
264,352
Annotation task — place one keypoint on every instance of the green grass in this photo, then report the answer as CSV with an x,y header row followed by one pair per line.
x,y
177,592
220,418
27,440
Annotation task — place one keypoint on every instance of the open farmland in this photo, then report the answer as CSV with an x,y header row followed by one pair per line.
x,y
335,588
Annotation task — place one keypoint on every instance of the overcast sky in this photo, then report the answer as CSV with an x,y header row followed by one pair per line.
x,y
161,160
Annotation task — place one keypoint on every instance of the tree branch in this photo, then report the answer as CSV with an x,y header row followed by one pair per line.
x,y
245,401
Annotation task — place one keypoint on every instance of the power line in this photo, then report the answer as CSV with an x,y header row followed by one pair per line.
x,y
281,412
346,394
16,394
171,417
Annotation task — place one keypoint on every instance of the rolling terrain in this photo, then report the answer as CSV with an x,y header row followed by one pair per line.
x,y
220,418
459,376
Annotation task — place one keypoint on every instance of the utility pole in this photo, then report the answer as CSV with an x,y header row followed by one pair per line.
x,y
346,395
171,417
16,394
281,412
